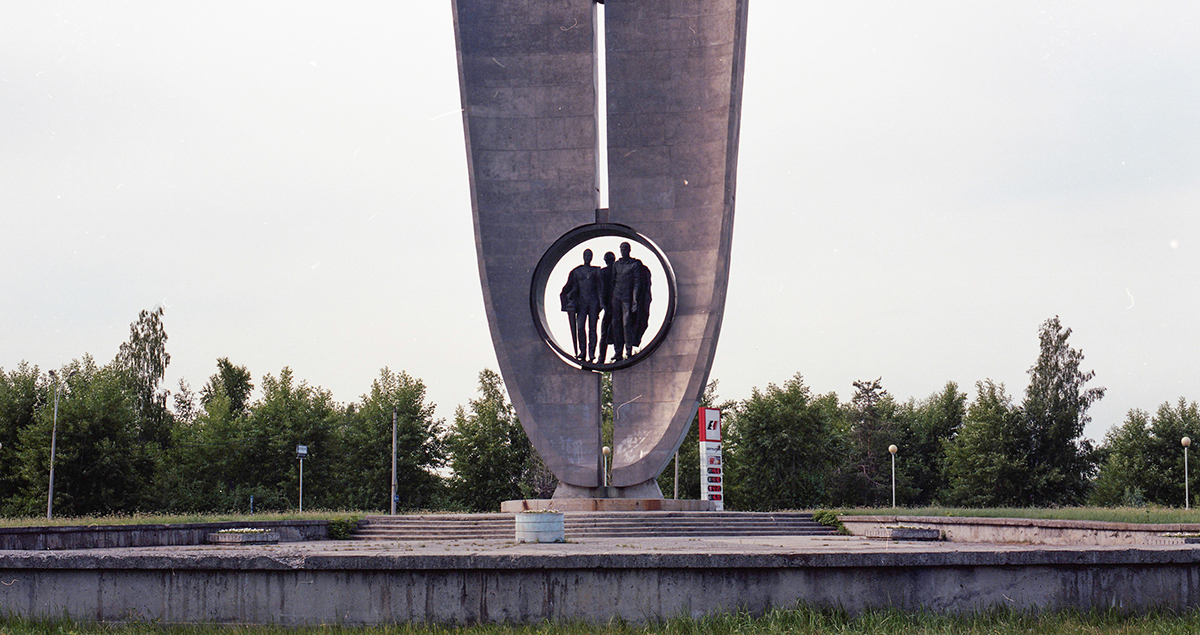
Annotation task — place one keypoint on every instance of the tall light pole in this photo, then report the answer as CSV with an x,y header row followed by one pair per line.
x,y
677,474
605,451
1187,498
893,449
54,442
393,460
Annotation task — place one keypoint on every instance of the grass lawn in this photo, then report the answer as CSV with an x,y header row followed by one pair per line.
x,y
166,519
1149,514
800,621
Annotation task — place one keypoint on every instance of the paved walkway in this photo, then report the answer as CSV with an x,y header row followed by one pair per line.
x,y
748,546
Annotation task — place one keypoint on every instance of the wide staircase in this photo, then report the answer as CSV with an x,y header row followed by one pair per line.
x,y
594,525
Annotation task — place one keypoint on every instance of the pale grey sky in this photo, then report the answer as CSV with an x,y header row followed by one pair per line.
x,y
921,185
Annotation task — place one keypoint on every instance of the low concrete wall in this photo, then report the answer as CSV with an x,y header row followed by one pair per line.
x,y
105,536
1027,530
291,588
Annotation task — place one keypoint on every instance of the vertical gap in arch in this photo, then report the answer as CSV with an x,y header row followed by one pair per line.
x,y
601,79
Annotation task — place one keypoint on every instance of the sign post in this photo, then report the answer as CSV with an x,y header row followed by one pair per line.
x,y
712,471
302,453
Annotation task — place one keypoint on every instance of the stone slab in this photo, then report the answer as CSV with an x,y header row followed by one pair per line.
x,y
149,535
903,533
251,538
1032,531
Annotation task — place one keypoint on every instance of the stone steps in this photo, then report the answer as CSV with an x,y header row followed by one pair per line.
x,y
593,525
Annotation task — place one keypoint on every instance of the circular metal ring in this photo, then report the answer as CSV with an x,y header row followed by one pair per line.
x,y
556,252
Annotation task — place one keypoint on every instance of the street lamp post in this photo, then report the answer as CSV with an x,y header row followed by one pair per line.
x,y
893,449
394,484
54,442
676,473
1187,498
605,451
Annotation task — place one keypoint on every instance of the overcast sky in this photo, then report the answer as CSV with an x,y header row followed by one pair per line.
x,y
921,184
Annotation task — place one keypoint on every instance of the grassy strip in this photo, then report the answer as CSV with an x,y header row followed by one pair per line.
x,y
1149,514
172,519
799,621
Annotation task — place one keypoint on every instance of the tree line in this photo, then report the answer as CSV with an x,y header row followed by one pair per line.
x,y
125,444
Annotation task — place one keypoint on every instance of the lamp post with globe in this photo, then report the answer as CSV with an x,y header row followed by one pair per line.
x,y
1187,498
893,449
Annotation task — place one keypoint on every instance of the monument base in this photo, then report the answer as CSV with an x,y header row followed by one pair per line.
x,y
608,505
647,490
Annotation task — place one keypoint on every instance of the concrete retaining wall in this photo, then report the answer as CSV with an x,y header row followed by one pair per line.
x,y
1027,530
105,536
294,588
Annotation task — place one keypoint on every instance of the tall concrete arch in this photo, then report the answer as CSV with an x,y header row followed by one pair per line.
x,y
528,79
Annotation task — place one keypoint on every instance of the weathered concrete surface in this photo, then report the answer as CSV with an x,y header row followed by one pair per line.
x,y
675,74
107,536
527,79
265,538
1027,530
490,581
902,533
674,79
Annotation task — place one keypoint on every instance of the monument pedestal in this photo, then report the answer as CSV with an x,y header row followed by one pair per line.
x,y
608,505
643,497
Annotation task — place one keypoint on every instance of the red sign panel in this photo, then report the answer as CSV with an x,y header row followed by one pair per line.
x,y
710,457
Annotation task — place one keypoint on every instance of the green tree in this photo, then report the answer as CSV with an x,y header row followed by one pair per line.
x,y
863,475
224,458
22,392
1125,470
1143,458
986,463
291,414
925,428
1168,426
689,451
185,410
490,454
144,359
366,442
231,382
208,469
101,463
779,448
1061,462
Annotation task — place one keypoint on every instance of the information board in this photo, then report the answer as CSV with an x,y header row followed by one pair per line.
x,y
712,471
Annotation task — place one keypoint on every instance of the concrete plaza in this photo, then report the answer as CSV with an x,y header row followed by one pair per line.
x,y
640,579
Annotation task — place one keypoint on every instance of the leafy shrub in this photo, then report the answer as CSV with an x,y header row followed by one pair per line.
x,y
342,528
829,518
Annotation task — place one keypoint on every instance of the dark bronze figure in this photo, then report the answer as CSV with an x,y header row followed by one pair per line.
x,y
567,300
630,302
607,336
584,287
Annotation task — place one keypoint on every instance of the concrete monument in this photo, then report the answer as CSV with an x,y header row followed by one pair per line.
x,y
528,72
